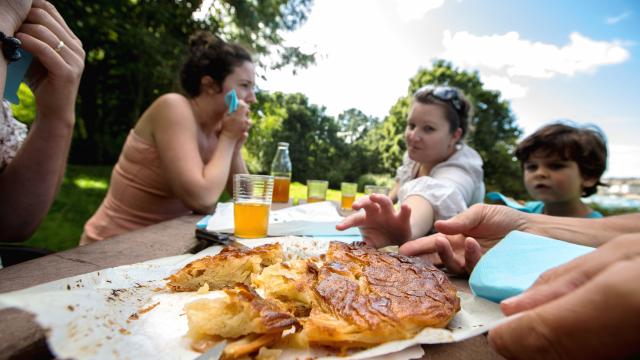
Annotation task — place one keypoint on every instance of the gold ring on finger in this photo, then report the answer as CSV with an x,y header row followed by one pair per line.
x,y
59,47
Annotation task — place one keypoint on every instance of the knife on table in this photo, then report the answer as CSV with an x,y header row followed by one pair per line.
x,y
214,353
216,238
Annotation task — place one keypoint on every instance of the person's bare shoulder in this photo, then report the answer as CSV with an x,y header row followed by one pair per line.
x,y
168,110
170,103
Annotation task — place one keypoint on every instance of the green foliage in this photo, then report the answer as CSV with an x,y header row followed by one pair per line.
x,y
26,110
315,147
493,129
134,50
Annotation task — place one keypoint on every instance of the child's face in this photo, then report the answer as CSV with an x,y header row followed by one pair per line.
x,y
551,179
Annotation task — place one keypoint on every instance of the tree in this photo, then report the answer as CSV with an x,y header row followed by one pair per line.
x,y
315,147
134,49
493,129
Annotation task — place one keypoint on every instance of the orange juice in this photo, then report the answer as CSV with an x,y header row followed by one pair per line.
x,y
347,201
251,220
281,189
313,199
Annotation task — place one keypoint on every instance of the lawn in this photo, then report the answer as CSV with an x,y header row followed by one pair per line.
x,y
82,191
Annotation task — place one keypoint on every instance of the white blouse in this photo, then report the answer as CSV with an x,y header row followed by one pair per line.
x,y
12,135
452,185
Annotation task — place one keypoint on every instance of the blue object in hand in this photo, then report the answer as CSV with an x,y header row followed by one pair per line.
x,y
15,74
231,99
514,264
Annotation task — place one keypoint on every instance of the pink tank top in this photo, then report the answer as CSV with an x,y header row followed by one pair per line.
x,y
139,194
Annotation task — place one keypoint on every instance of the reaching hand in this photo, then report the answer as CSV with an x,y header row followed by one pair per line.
x,y
585,309
55,75
464,238
380,225
237,124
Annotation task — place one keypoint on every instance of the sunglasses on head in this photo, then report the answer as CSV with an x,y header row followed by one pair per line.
x,y
445,94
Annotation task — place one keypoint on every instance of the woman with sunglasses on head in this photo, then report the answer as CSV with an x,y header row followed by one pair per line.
x,y
440,176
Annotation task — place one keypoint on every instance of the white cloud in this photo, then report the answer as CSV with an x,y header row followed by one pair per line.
x,y
623,161
520,57
616,19
507,88
409,10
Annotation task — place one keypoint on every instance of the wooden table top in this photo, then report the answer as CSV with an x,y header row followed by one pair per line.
x,y
21,337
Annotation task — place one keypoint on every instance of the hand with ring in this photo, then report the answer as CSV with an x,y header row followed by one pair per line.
x,y
55,75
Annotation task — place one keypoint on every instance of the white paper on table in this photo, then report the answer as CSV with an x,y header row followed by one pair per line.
x,y
90,316
315,219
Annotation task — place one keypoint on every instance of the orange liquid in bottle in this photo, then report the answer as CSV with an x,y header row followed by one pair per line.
x,y
251,220
281,189
347,201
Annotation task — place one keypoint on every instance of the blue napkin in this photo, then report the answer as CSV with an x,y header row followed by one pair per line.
x,y
15,73
202,224
231,99
514,264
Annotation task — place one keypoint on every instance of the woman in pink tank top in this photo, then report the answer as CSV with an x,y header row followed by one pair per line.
x,y
184,150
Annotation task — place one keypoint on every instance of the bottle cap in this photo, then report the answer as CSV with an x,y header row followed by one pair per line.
x,y
286,144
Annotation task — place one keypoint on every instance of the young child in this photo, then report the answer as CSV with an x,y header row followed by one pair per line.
x,y
561,164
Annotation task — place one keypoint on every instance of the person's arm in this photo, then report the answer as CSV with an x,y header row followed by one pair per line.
x,y
588,308
393,194
463,238
238,166
198,185
422,215
28,185
589,232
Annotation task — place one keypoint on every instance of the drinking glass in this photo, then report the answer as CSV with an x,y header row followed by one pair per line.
x,y
252,196
376,189
317,190
349,191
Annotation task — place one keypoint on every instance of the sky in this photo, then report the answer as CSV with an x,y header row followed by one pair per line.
x,y
551,59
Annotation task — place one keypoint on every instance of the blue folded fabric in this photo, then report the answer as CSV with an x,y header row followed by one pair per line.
x,y
514,264
231,99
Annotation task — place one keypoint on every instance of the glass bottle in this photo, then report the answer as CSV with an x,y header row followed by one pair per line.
x,y
281,171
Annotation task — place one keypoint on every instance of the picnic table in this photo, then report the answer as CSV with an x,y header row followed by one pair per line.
x,y
21,337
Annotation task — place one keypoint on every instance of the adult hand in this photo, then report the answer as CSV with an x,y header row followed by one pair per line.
x,y
237,124
12,14
588,308
380,224
464,238
55,75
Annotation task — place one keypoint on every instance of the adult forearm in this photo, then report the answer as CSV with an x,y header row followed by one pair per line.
x,y
590,232
238,166
215,175
422,216
30,182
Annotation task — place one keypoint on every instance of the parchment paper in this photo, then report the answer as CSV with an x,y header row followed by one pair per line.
x,y
128,313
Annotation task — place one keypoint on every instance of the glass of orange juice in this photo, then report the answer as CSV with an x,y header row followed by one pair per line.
x,y
317,190
252,195
348,191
